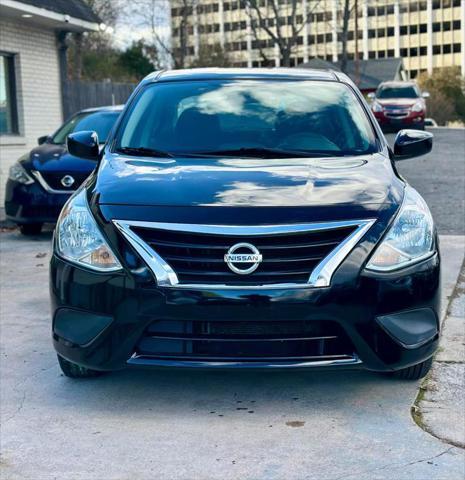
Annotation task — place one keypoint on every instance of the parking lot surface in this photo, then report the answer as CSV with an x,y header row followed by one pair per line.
x,y
166,424
440,178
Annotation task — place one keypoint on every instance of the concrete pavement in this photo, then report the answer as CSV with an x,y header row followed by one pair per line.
x,y
440,407
209,425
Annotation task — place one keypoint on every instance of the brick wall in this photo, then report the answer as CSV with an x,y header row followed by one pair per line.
x,y
37,87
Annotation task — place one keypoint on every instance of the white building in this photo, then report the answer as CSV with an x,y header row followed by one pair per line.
x,y
32,48
426,34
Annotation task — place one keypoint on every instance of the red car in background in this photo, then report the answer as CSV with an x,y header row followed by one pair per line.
x,y
398,105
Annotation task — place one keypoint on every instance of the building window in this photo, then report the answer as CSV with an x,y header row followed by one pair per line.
x,y
8,111
457,48
446,48
436,49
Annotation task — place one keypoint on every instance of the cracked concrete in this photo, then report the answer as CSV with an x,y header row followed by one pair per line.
x,y
441,403
184,425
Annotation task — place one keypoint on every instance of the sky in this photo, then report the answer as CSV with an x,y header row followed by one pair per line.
x,y
133,26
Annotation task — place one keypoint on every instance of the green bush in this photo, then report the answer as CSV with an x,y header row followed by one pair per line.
x,y
446,87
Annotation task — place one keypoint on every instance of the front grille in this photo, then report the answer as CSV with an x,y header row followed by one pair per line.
x,y
244,340
53,179
198,258
396,112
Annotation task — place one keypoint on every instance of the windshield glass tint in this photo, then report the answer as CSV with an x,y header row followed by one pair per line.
x,y
100,122
397,92
198,116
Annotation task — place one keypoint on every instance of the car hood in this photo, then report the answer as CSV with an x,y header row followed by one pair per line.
x,y
247,182
55,158
398,102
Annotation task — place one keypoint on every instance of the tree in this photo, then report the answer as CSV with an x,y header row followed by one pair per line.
x,y
100,41
346,12
135,62
151,15
270,20
445,85
211,56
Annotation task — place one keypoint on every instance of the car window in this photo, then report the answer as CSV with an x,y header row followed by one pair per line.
x,y
206,116
397,92
100,122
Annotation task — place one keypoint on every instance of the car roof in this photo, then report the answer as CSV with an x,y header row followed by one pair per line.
x,y
107,108
242,73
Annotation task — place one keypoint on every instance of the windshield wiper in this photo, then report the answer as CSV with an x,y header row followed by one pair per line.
x,y
144,151
261,152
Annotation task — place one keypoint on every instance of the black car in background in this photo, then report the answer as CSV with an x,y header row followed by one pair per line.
x,y
41,181
246,219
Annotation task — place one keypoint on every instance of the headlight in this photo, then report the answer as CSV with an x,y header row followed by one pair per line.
x,y
19,174
78,238
376,107
410,237
418,106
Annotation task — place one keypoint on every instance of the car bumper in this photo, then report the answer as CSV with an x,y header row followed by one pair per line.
x,y
32,204
385,322
412,120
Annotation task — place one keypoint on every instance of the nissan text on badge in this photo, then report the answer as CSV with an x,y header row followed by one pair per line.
x,y
246,219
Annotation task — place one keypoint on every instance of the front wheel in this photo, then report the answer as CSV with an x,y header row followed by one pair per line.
x,y
72,370
415,372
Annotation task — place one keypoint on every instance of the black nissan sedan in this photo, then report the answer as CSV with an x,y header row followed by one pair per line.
x,y
246,219
41,182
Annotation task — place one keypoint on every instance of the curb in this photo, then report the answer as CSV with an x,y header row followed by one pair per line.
x,y
437,396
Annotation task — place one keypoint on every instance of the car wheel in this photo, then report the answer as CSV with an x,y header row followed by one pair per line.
x,y
30,228
72,370
415,372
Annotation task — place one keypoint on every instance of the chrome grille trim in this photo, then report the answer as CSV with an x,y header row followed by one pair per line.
x,y
46,186
319,277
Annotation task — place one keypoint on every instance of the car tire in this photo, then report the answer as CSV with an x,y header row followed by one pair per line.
x,y
72,370
415,372
30,228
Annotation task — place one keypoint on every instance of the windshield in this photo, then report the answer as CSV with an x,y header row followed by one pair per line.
x,y
246,117
397,92
100,122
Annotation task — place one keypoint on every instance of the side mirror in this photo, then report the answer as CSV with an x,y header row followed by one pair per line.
x,y
41,140
425,94
412,143
84,145
371,95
